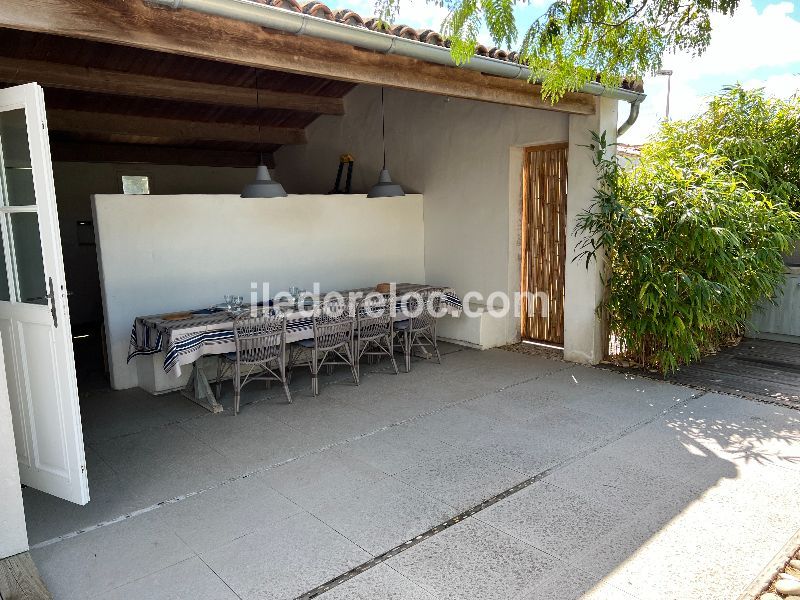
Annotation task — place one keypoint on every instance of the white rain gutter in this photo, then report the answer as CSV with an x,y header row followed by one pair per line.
x,y
303,24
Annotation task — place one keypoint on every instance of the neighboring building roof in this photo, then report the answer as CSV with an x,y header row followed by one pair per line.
x,y
629,149
426,36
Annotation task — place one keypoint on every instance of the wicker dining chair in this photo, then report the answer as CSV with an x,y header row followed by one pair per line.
x,y
374,332
332,344
260,353
419,330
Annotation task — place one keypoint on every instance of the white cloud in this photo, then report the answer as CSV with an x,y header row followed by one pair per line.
x,y
740,45
782,86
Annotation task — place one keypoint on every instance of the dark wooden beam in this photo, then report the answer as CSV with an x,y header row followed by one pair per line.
x,y
133,23
155,155
77,121
73,77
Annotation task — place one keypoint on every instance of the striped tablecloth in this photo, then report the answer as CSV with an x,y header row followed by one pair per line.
x,y
184,341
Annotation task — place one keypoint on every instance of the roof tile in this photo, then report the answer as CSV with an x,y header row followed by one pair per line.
x,y
426,36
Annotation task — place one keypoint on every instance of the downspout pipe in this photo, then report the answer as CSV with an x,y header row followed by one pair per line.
x,y
634,114
302,24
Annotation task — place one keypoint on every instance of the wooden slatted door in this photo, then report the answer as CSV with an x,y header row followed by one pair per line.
x,y
544,242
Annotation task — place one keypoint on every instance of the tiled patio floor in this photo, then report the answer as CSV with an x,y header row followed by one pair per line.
x,y
639,490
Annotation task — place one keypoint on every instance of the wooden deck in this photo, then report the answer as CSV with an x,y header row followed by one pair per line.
x,y
759,369
19,579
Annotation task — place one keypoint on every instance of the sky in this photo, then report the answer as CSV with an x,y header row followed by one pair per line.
x,y
759,46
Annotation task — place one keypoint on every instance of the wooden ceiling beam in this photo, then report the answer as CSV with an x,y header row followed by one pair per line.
x,y
133,23
86,79
157,155
76,121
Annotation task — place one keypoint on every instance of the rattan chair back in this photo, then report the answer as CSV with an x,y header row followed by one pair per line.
x,y
260,337
333,324
375,317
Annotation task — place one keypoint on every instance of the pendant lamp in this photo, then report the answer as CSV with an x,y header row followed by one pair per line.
x,y
263,186
385,188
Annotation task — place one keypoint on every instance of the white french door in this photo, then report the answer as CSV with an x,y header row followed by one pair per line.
x,y
34,317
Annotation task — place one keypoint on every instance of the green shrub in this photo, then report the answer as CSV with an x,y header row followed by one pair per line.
x,y
759,134
691,245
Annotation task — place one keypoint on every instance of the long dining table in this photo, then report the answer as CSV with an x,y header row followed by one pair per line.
x,y
186,337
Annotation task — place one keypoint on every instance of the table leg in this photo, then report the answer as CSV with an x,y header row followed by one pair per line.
x,y
198,390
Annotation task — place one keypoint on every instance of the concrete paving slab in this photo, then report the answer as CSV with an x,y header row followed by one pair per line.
x,y
285,560
394,449
241,438
382,515
473,560
556,521
381,582
313,480
220,515
460,478
188,579
101,560
165,462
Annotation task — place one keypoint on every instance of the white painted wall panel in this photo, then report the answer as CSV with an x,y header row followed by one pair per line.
x,y
463,156
169,253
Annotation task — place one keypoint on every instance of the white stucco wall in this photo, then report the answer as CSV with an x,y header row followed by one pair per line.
x,y
170,253
13,533
584,335
76,182
464,157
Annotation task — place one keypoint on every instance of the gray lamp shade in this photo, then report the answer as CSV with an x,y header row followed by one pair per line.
x,y
385,188
263,186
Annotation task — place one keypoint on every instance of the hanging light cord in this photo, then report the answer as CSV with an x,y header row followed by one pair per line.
x,y
383,128
258,119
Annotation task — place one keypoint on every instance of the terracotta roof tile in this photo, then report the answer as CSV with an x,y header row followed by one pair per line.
x,y
426,36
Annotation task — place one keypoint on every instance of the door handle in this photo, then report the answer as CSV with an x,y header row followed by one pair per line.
x,y
52,298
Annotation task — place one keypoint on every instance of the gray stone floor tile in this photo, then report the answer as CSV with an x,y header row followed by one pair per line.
x,y
394,449
165,462
378,583
472,560
284,560
460,479
556,521
616,481
188,579
111,415
312,480
571,582
222,514
106,558
456,425
326,421
383,515
251,439
534,441
49,517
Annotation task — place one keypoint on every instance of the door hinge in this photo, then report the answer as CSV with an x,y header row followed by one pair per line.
x,y
52,298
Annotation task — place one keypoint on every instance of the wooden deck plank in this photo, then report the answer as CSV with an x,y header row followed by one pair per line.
x,y
761,369
19,579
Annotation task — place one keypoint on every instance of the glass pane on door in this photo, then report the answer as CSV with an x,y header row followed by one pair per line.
x,y
16,159
29,262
